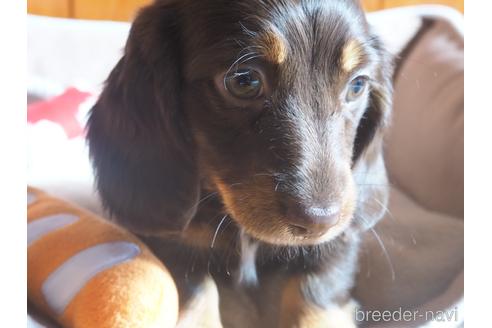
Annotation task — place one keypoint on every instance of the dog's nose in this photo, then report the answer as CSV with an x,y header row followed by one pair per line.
x,y
312,220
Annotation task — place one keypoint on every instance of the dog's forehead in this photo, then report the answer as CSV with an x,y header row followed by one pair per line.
x,y
312,33
300,33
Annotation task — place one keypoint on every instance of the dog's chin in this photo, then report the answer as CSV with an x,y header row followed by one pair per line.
x,y
285,235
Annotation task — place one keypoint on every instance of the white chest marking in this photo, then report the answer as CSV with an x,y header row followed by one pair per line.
x,y
247,266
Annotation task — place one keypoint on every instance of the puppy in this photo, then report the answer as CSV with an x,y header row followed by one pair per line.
x,y
243,141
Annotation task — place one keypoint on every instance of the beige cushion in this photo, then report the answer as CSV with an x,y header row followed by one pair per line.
x,y
421,265
424,260
424,150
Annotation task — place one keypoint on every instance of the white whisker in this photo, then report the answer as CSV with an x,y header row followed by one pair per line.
x,y
217,231
207,197
386,254
387,210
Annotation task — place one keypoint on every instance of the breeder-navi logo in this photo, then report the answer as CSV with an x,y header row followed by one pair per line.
x,y
406,315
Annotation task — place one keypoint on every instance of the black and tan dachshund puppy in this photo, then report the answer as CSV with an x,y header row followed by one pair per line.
x,y
243,141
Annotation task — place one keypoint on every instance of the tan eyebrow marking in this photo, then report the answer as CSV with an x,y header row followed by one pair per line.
x,y
352,55
274,46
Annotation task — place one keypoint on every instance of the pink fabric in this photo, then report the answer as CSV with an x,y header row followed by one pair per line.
x,y
61,110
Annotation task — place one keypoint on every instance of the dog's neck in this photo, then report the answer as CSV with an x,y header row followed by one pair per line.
x,y
227,233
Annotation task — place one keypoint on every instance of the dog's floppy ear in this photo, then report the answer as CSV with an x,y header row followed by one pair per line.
x,y
377,114
139,145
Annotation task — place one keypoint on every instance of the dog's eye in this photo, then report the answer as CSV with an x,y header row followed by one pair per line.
x,y
244,83
356,88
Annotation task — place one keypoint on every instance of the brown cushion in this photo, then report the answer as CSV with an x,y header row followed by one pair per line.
x,y
424,148
423,266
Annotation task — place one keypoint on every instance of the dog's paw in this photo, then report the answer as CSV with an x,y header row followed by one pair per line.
x,y
316,317
341,317
332,317
202,311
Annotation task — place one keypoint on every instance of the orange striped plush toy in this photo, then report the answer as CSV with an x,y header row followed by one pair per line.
x,y
86,272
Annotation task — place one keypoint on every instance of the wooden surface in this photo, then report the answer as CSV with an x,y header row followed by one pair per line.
x,y
58,8
458,4
124,10
371,5
107,9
